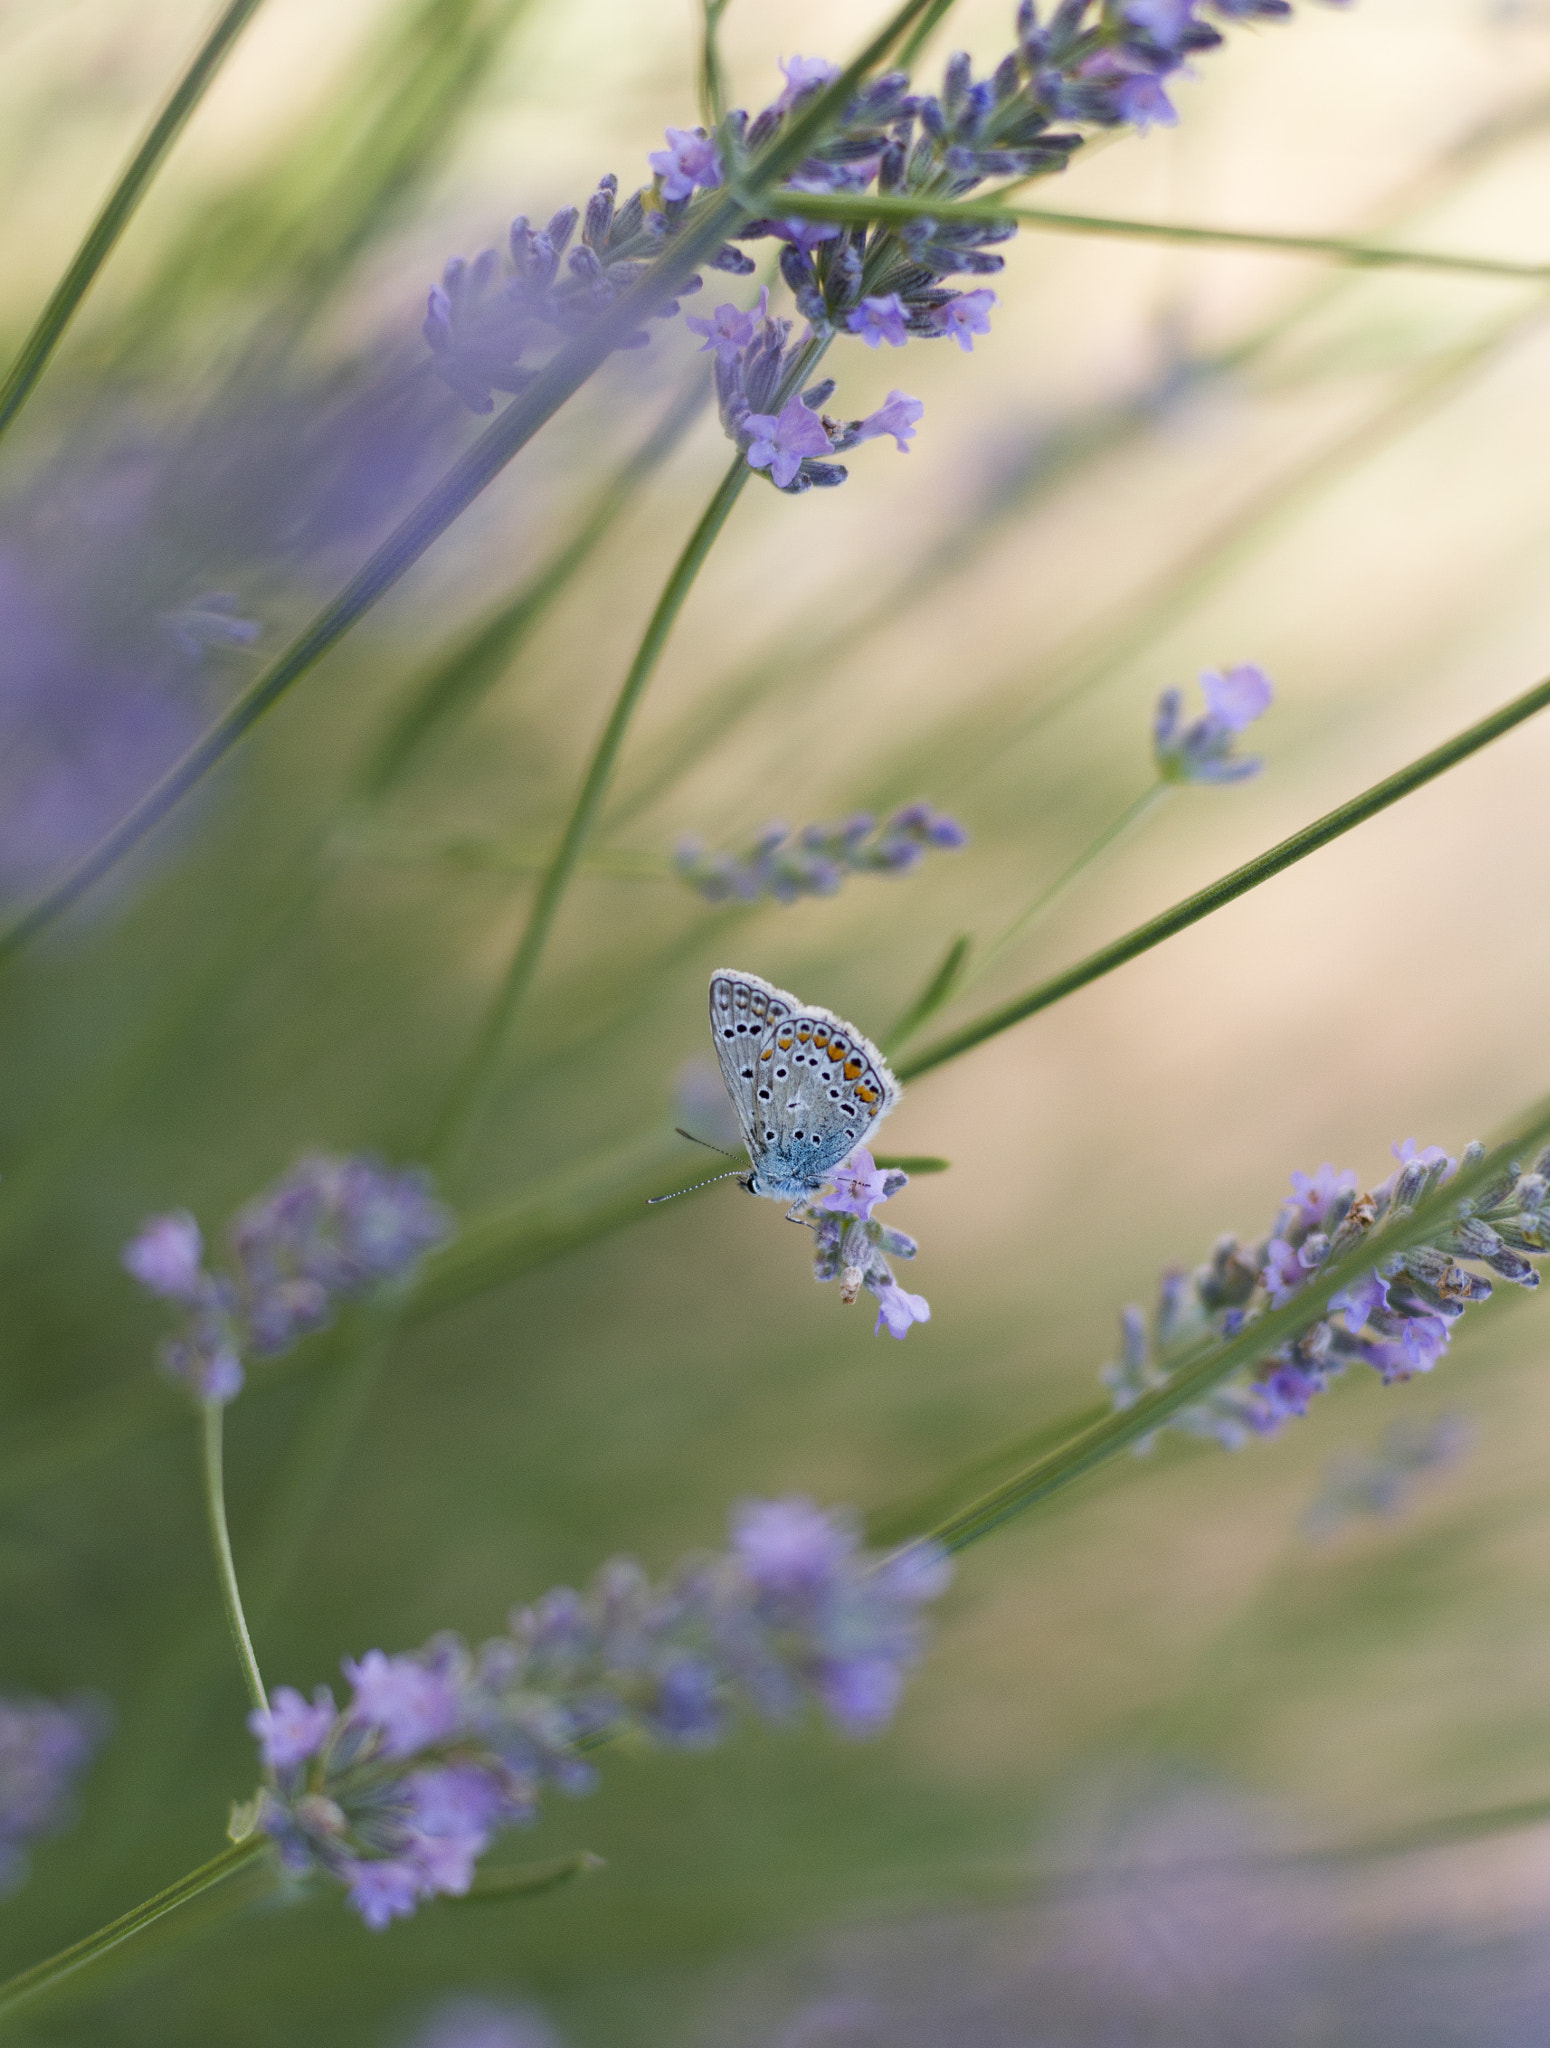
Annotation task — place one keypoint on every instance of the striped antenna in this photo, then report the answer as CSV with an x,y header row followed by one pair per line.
x,y
737,1173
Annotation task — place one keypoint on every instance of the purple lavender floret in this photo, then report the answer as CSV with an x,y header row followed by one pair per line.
x,y
331,1231
851,1246
45,1745
690,160
785,865
1396,1318
879,319
398,1794
1202,751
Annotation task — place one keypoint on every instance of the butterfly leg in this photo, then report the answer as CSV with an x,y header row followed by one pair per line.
x,y
794,1213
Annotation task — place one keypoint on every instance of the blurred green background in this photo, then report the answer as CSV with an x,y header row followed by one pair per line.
x,y
1160,461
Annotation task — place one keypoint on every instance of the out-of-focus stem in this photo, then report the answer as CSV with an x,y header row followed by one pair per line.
x,y
456,680
118,209
468,1091
45,1975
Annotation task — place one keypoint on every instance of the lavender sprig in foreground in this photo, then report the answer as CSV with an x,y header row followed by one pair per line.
x,y
330,1231
1397,1317
397,1795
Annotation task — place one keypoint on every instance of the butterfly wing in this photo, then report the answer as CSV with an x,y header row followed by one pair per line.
x,y
742,1008
808,1087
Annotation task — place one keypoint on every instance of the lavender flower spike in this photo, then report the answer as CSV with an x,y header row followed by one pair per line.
x,y
398,1795
815,861
1396,1318
331,1231
1202,751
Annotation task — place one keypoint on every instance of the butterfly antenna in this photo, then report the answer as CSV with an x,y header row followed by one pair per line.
x,y
693,1140
673,1197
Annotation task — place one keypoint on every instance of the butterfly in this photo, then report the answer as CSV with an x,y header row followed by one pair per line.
x,y
808,1088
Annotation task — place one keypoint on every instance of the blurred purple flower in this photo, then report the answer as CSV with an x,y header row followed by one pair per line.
x,y
289,1730
399,1795
410,1705
1202,751
45,1746
803,75
330,1231
168,1257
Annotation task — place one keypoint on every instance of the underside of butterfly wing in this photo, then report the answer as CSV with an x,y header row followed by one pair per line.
x,y
808,1087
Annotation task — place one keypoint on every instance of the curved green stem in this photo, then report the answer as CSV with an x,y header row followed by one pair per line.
x,y
468,1090
220,1541
121,202
45,1975
882,208
1229,887
1209,1367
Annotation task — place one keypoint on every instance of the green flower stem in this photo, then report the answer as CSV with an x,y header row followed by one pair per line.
x,y
118,209
469,1089
459,678
45,1975
713,100
220,1542
1208,1366
938,989
922,32
900,1520
882,209
560,378
955,975
1229,887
